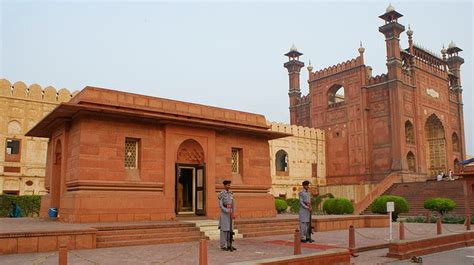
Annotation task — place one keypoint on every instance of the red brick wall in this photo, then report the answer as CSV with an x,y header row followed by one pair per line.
x,y
96,187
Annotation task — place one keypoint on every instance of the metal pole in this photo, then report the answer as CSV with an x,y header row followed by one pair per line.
x,y
438,225
390,223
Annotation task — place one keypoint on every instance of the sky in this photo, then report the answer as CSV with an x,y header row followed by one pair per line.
x,y
227,54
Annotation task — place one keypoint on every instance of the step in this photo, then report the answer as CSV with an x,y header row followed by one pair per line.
x,y
268,233
286,224
146,236
145,226
241,222
147,230
210,228
148,242
271,227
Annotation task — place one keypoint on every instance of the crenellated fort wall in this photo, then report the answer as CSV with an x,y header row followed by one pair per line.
x,y
305,159
21,107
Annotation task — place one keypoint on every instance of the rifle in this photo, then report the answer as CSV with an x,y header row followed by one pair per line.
x,y
230,237
310,226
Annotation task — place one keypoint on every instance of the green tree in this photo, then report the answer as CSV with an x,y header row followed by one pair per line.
x,y
440,205
380,205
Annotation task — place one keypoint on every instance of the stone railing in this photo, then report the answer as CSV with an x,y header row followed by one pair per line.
x,y
376,192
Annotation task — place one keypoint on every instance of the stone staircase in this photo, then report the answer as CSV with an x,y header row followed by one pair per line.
x,y
210,228
266,227
132,235
383,186
417,192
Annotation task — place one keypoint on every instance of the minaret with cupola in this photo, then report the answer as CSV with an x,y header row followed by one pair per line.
x,y
392,30
294,66
454,62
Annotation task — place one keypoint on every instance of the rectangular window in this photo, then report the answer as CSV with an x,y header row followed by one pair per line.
x,y
13,147
12,150
131,153
236,160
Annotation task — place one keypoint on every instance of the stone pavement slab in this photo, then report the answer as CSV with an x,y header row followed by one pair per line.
x,y
248,249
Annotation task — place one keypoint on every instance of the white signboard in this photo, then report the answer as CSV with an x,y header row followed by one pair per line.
x,y
390,206
432,93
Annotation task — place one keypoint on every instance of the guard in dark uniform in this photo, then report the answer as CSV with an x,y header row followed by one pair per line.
x,y
305,212
227,206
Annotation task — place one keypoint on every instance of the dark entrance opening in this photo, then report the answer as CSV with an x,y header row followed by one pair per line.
x,y
190,190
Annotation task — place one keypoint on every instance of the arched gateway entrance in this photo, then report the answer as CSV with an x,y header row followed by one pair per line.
x,y
436,145
190,180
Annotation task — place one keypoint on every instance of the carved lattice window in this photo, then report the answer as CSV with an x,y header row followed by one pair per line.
x,y
235,160
455,141
409,133
131,153
281,161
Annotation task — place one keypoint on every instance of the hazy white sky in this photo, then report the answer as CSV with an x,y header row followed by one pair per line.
x,y
226,54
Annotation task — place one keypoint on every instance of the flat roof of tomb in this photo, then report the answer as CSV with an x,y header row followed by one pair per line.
x,y
104,101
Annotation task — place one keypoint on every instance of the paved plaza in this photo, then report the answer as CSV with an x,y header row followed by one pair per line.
x,y
254,248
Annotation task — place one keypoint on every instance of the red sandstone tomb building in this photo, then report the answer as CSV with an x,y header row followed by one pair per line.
x,y
408,121
115,156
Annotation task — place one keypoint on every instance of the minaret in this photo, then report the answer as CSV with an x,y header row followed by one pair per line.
x,y
410,40
294,67
361,52
454,63
392,30
444,52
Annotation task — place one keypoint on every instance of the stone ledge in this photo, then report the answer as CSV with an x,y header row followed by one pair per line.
x,y
12,243
49,233
333,256
402,249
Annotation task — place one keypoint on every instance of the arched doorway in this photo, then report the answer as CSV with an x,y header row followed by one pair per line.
x,y
435,145
190,180
281,161
457,167
411,162
55,189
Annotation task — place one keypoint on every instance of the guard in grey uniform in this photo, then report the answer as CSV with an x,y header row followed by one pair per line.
x,y
227,205
305,211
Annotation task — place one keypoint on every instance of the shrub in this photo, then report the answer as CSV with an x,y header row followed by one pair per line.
x,y
316,201
415,219
294,204
280,205
380,205
29,204
440,205
338,206
446,219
